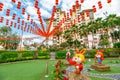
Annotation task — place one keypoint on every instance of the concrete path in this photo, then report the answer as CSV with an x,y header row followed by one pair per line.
x,y
52,54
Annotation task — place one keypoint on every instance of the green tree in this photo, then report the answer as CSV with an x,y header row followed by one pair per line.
x,y
10,40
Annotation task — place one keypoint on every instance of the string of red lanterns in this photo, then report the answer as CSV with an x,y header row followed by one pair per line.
x,y
1,6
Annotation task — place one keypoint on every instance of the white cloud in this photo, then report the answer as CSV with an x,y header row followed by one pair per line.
x,y
45,13
47,4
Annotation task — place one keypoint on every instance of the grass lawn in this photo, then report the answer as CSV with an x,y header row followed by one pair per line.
x,y
96,78
113,70
28,70
31,70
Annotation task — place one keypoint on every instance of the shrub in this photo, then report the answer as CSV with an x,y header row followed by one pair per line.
x,y
28,55
117,45
61,54
90,53
9,56
43,55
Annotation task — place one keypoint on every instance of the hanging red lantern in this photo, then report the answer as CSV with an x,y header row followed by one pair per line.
x,y
28,17
11,23
14,25
13,1
13,17
19,5
8,12
87,13
56,2
74,21
81,1
31,21
1,6
18,20
67,15
71,12
71,22
54,8
77,4
22,22
23,11
109,1
99,4
83,17
18,26
7,21
78,18
94,8
74,10
36,4
38,11
1,19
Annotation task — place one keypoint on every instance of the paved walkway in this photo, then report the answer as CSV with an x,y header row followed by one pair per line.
x,y
111,76
52,54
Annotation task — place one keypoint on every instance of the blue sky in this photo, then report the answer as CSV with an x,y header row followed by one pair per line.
x,y
46,9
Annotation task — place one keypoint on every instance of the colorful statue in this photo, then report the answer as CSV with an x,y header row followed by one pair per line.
x,y
77,60
99,56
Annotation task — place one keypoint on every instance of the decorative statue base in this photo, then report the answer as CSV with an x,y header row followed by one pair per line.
x,y
80,76
100,67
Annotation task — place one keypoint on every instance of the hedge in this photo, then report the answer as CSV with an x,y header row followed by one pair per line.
x,y
43,55
8,56
108,52
60,54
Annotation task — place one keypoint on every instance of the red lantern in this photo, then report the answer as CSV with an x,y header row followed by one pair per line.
x,y
13,1
13,17
1,19
74,10
56,2
36,4
99,4
78,18
18,20
7,21
94,8
87,13
71,12
8,12
77,4
19,5
67,15
81,1
14,25
19,26
83,17
28,17
74,21
22,22
11,23
23,11
54,8
24,28
109,1
31,21
1,6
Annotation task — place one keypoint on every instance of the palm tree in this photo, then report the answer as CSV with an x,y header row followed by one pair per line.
x,y
83,31
74,30
68,37
6,32
58,34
